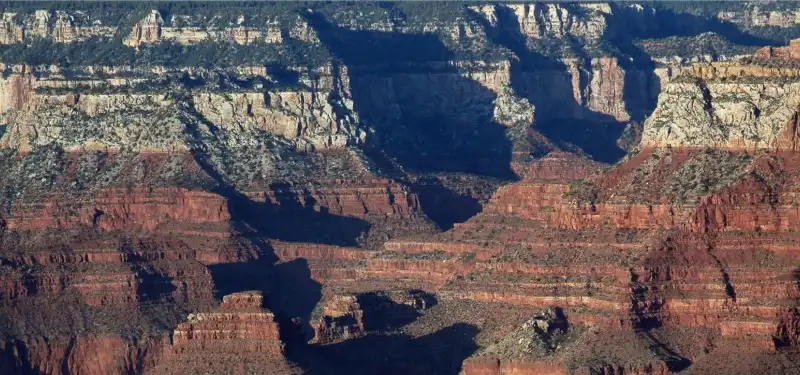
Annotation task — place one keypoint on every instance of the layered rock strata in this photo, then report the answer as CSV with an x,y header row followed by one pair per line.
x,y
735,105
134,197
59,26
685,248
719,272
152,29
240,337
37,116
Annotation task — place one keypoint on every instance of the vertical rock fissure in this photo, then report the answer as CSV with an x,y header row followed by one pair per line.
x,y
67,354
730,291
644,322
708,107
793,131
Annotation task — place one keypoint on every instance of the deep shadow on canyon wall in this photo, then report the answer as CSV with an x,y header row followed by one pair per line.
x,y
287,219
422,131
415,128
441,352
547,83
427,117
629,25
14,360
444,206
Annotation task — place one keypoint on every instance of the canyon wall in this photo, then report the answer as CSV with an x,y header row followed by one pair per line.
x,y
383,183
735,105
323,111
88,114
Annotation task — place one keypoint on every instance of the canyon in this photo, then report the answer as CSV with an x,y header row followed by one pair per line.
x,y
409,188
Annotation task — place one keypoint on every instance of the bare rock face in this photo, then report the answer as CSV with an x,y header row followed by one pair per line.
x,y
539,21
726,105
511,110
148,30
320,117
240,337
50,120
606,89
85,355
59,26
792,51
344,317
153,28
541,334
552,88
293,115
16,89
759,15
9,31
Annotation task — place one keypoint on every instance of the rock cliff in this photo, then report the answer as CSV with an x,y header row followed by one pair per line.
x,y
111,114
59,26
675,253
240,337
737,105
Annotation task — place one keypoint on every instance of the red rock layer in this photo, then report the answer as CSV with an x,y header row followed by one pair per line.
x,y
348,198
129,253
238,338
792,51
149,208
723,262
105,272
82,355
118,208
494,366
342,317
560,166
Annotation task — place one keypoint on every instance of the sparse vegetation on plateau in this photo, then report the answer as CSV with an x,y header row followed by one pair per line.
x,y
707,172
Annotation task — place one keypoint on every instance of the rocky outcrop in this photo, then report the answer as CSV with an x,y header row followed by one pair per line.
x,y
240,337
344,317
511,110
540,21
152,29
761,15
315,117
148,30
726,106
606,90
293,115
792,51
17,89
59,26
